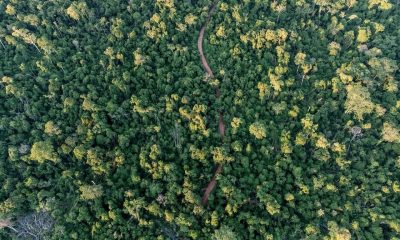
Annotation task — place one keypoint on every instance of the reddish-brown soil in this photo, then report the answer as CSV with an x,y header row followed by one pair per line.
x,y
211,185
221,125
200,41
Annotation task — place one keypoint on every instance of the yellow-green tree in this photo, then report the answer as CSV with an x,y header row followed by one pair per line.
x,y
390,133
43,151
91,192
258,130
358,101
77,10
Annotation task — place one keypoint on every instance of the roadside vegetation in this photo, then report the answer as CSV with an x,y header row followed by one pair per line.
x,y
114,126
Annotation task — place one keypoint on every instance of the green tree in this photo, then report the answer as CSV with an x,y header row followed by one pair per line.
x,y
224,233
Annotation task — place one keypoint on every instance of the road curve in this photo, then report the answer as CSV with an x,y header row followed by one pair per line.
x,y
200,41
221,125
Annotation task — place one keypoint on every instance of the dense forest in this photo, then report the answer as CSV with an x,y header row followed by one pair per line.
x,y
112,127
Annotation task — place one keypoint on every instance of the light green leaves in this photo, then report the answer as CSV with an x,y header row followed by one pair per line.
x,y
43,151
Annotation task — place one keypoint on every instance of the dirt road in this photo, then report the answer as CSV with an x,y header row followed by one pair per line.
x,y
221,125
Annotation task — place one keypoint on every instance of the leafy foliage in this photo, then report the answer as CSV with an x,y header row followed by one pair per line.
x,y
109,124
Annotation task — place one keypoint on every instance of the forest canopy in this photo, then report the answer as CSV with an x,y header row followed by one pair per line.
x,y
112,127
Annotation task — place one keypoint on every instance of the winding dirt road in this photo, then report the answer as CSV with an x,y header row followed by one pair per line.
x,y
221,125
200,41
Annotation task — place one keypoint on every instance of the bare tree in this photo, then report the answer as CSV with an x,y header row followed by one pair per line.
x,y
5,223
2,35
32,226
356,132
176,136
2,44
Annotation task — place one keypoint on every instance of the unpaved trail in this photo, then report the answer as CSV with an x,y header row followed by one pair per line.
x,y
200,41
221,125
